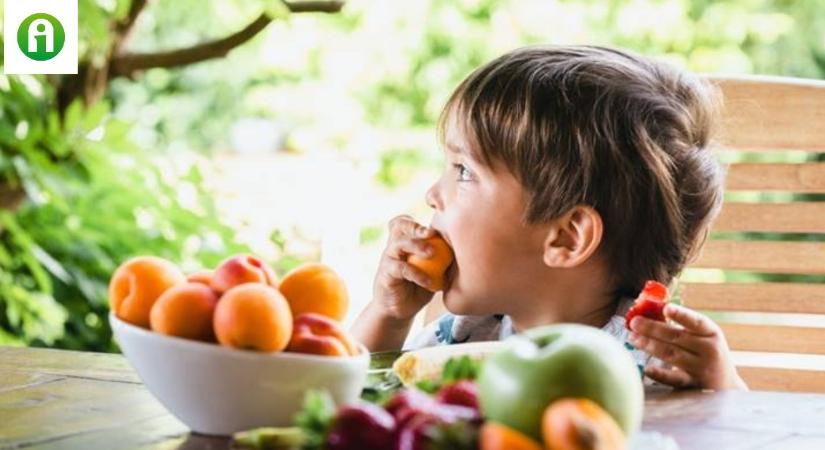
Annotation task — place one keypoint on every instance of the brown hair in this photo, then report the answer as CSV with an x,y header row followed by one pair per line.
x,y
623,134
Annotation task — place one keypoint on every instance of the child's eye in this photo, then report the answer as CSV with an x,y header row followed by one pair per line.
x,y
464,173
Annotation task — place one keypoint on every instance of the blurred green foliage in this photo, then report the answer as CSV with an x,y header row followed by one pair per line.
x,y
367,83
377,74
94,199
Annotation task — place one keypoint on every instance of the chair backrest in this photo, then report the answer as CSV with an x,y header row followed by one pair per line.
x,y
761,275
768,245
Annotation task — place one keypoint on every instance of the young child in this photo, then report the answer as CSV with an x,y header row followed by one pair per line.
x,y
573,175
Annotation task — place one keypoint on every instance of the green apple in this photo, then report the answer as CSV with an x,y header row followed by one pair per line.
x,y
547,363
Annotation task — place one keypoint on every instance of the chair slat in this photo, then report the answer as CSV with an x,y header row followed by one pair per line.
x,y
806,178
800,217
763,256
776,379
771,113
803,298
774,338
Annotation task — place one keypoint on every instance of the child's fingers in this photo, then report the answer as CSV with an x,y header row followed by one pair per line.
x,y
672,377
401,270
667,352
693,321
665,332
402,247
405,225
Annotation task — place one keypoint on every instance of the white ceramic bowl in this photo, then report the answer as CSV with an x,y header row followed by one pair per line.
x,y
218,390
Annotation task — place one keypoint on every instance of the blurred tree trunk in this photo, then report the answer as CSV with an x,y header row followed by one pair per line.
x,y
11,197
92,79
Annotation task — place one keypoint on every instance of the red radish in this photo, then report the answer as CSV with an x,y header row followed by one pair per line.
x,y
462,393
362,426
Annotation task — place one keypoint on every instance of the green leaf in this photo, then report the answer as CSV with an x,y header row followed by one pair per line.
x,y
6,259
24,240
462,368
271,438
455,369
52,265
7,135
121,9
94,116
10,340
73,115
428,386
315,418
459,435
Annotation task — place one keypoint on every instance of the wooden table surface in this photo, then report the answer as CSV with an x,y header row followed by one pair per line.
x,y
60,399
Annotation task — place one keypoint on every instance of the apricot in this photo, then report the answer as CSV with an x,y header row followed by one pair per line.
x,y
580,424
436,265
138,283
495,436
185,311
201,276
316,288
242,269
253,316
320,335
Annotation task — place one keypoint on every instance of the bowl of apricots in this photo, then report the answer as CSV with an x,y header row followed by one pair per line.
x,y
235,348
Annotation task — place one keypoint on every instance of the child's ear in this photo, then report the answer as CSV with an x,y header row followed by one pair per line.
x,y
573,238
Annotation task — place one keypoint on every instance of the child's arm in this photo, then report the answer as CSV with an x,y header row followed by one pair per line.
x,y
697,350
399,289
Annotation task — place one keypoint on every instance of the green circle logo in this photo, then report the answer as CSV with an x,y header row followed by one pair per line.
x,y
41,37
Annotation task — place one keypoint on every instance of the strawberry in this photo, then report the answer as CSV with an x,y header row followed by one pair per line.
x,y
650,303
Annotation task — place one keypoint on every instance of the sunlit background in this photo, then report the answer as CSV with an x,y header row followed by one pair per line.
x,y
299,144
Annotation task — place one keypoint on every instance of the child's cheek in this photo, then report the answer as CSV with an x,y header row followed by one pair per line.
x,y
470,246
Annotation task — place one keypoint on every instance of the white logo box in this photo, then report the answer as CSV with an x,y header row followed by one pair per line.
x,y
15,12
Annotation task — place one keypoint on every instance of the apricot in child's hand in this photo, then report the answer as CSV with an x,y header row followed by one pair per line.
x,y
436,265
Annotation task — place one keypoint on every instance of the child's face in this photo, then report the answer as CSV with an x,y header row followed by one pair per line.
x,y
479,211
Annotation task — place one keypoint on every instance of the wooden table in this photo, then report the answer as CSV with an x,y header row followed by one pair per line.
x,y
59,399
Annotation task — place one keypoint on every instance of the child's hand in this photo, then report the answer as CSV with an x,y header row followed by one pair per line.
x,y
399,288
697,350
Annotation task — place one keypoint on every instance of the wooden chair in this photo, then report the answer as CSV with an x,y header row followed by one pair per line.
x,y
764,229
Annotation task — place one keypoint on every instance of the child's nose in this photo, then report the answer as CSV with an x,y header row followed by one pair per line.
x,y
433,197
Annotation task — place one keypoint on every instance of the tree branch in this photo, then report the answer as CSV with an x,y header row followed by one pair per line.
x,y
324,6
129,63
123,29
131,17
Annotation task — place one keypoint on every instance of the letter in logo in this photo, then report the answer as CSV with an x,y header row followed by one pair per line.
x,y
45,30
41,37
